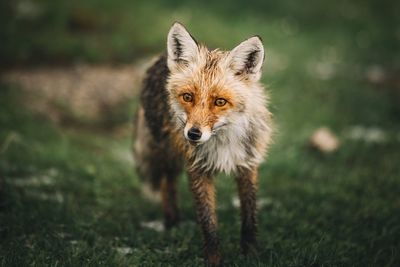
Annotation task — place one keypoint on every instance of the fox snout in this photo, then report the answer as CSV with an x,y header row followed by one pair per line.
x,y
196,134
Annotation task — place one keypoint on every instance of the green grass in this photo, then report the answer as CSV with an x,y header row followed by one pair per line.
x,y
70,196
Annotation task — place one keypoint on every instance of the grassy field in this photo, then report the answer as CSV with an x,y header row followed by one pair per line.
x,y
69,195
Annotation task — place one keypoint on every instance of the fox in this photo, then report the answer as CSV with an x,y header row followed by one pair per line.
x,y
204,111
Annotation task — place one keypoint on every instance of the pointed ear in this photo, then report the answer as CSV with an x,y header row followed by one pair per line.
x,y
182,47
247,58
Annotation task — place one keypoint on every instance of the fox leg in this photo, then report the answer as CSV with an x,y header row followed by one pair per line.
x,y
247,187
169,200
204,196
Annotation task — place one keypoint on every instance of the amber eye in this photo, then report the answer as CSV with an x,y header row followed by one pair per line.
x,y
187,97
220,102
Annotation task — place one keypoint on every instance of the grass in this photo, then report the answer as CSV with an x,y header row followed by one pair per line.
x,y
70,196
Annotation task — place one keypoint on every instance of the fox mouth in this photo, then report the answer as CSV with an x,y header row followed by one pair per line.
x,y
196,135
194,143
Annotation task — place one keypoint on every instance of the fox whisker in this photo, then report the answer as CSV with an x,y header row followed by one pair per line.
x,y
215,129
181,120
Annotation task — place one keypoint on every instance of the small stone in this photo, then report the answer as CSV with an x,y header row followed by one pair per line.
x,y
157,226
124,250
324,140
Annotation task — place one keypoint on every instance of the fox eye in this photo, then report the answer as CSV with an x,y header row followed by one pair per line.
x,y
220,102
187,97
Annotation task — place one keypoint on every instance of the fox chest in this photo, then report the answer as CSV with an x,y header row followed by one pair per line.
x,y
224,157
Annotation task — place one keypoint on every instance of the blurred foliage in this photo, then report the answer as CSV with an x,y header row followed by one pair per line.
x,y
46,31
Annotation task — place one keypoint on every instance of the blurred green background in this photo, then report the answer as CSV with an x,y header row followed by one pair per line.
x,y
70,73
97,31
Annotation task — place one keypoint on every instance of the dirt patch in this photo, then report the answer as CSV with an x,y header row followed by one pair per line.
x,y
84,93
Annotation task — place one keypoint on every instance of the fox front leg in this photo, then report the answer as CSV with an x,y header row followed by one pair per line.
x,y
169,201
204,196
247,187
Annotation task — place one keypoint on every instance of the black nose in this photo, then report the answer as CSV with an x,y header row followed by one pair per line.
x,y
194,134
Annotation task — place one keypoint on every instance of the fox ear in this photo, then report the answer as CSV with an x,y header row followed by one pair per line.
x,y
247,58
182,47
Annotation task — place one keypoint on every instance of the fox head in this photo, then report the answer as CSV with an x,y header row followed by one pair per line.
x,y
210,91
